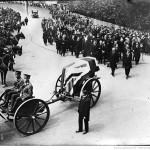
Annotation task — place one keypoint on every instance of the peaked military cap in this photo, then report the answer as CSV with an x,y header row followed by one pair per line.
x,y
18,72
27,75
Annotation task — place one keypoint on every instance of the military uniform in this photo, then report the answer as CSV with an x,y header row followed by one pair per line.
x,y
26,93
15,90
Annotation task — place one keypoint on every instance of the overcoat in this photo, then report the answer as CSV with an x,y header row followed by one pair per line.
x,y
84,107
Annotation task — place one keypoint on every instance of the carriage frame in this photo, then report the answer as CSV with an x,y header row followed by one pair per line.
x,y
32,115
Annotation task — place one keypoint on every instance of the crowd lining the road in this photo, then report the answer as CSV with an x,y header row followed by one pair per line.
x,y
78,35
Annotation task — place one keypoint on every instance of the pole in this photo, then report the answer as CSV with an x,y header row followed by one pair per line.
x,y
26,7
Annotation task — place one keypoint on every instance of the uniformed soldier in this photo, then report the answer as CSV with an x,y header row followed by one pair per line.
x,y
15,90
26,93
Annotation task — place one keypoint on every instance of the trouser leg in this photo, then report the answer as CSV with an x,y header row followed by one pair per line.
x,y
112,71
127,71
86,123
9,96
80,121
6,93
16,104
13,99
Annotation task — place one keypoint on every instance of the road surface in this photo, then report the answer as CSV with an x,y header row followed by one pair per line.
x,y
121,116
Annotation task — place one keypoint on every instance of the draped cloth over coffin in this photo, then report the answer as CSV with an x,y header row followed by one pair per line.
x,y
73,72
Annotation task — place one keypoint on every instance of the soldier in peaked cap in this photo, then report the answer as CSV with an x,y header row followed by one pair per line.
x,y
15,90
26,93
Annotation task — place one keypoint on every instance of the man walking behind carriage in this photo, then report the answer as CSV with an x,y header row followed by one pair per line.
x,y
15,90
127,63
84,112
113,64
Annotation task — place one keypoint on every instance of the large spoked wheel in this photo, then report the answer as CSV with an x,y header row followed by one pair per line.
x,y
31,116
94,89
58,84
2,99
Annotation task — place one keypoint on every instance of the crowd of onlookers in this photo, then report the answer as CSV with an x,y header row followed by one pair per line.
x,y
133,15
76,34
9,20
39,4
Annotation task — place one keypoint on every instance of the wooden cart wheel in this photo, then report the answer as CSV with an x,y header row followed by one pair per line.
x,y
94,88
2,99
31,116
58,84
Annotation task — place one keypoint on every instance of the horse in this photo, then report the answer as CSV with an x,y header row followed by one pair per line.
x,y
4,67
17,50
22,23
15,39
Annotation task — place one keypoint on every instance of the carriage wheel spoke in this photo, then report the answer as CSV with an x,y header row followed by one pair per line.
x,y
35,108
23,124
41,113
93,84
95,88
94,91
94,95
33,126
92,100
22,115
40,118
28,126
38,123
40,108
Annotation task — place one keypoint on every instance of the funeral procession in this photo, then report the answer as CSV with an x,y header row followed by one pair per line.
x,y
75,73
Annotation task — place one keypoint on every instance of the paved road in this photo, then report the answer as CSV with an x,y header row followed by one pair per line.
x,y
121,117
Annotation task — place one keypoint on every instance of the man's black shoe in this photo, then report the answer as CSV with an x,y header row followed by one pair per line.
x,y
78,131
85,132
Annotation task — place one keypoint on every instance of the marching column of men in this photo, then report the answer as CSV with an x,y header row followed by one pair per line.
x,y
78,35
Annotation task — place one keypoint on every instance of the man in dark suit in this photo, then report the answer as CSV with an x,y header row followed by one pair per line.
x,y
26,21
112,59
84,112
127,63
